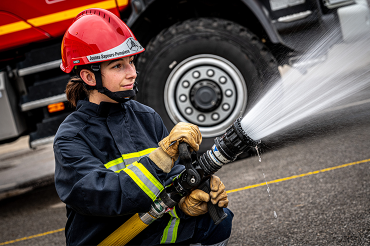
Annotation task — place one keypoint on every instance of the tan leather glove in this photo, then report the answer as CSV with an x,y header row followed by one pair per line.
x,y
195,203
182,132
161,159
218,194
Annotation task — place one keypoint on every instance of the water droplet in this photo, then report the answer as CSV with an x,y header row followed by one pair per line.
x,y
258,153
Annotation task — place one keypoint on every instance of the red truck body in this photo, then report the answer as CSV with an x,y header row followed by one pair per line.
x,y
23,22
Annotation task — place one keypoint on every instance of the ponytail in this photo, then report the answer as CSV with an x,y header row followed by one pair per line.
x,y
75,90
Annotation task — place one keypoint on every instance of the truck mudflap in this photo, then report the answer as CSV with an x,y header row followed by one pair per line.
x,y
11,120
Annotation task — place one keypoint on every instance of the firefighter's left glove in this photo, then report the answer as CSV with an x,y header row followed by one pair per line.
x,y
182,132
195,203
161,159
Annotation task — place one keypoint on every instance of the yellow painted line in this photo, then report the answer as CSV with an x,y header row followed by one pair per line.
x,y
56,17
229,191
298,176
14,27
30,237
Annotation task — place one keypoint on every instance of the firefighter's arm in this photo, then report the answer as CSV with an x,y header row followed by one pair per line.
x,y
83,182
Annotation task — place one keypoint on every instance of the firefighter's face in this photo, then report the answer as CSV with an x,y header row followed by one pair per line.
x,y
119,75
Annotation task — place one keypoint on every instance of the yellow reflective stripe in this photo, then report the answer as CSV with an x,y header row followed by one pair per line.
x,y
149,176
70,13
56,17
140,183
114,162
165,232
121,3
175,230
171,229
127,159
138,154
14,27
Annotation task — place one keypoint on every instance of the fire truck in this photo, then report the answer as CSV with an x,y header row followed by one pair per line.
x,y
205,60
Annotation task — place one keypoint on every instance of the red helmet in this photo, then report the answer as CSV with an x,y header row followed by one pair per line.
x,y
97,35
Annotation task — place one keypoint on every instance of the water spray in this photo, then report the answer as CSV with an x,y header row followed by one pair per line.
x,y
196,175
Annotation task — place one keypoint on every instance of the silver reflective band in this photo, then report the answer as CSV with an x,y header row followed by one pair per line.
x,y
170,232
117,167
133,159
145,179
127,48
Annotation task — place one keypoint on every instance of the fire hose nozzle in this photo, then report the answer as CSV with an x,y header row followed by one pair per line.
x,y
227,147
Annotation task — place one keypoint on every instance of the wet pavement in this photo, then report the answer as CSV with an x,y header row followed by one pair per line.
x,y
318,179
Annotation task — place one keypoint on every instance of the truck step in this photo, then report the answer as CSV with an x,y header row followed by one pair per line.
x,y
39,68
43,102
46,92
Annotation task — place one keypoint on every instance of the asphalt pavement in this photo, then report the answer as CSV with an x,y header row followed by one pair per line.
x,y
312,186
23,169
319,188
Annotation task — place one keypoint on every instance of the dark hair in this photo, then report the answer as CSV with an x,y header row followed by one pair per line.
x,y
75,89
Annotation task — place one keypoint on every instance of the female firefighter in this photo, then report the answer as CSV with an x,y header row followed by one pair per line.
x,y
108,165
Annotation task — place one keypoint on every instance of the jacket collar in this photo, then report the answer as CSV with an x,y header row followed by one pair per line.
x,y
102,110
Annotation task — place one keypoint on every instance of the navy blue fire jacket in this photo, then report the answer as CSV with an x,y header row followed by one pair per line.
x,y
104,176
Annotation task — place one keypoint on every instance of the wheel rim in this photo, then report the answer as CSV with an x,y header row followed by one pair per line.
x,y
205,90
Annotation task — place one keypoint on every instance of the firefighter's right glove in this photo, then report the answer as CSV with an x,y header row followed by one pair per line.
x,y
182,132
218,193
195,203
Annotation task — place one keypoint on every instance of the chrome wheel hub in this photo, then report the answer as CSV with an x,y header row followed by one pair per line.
x,y
206,90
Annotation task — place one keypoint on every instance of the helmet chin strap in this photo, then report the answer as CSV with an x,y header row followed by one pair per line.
x,y
118,96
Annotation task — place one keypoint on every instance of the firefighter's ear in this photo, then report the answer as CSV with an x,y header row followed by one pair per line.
x,y
88,77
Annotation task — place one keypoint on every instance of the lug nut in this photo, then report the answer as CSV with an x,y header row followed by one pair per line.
x,y
189,111
201,118
228,93
183,98
210,73
196,74
222,80
215,116
225,106
185,84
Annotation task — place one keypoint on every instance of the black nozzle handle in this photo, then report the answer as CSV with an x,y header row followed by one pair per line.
x,y
217,214
185,155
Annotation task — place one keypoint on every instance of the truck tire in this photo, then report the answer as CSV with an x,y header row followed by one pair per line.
x,y
206,72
